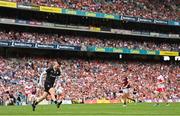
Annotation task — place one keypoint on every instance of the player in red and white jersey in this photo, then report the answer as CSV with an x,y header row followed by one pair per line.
x,y
28,89
161,89
160,84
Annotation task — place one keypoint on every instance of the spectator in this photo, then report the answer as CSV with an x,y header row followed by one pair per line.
x,y
156,9
95,79
86,41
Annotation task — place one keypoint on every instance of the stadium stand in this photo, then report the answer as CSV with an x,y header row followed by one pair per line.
x,y
86,41
158,9
84,79
87,79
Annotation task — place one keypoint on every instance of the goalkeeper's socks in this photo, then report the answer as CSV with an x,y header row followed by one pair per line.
x,y
58,104
36,103
55,101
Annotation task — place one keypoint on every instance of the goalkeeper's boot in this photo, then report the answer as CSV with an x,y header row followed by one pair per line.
x,y
34,105
58,104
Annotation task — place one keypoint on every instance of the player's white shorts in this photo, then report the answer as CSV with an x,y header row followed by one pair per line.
x,y
125,90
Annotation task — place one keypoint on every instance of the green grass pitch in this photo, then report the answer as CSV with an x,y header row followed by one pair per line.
x,y
142,109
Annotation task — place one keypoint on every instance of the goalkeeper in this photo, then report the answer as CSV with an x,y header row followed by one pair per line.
x,y
51,74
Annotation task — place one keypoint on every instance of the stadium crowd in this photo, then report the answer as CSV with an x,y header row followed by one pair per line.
x,y
86,41
153,9
86,79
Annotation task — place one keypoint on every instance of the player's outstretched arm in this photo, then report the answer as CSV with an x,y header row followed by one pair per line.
x,y
40,84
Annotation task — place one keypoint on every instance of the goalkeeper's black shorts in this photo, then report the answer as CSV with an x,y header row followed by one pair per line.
x,y
47,87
